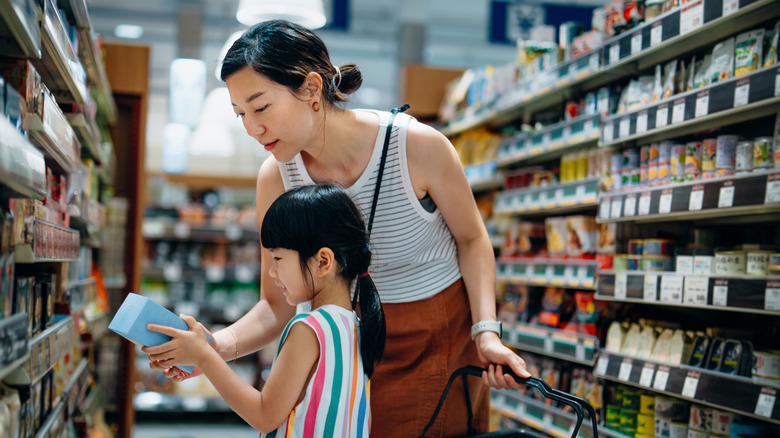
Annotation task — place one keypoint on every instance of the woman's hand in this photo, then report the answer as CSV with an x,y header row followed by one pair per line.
x,y
185,348
494,356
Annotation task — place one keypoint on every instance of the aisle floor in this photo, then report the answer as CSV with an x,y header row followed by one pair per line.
x,y
190,430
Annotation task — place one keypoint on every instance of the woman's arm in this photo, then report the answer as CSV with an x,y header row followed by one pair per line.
x,y
266,410
435,168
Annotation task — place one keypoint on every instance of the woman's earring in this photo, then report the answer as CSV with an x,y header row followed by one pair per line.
x,y
315,106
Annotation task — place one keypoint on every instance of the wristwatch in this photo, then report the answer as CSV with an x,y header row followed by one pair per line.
x,y
486,326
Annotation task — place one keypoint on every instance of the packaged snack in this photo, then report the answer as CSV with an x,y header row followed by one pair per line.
x,y
748,51
691,72
722,64
701,77
670,72
771,51
658,84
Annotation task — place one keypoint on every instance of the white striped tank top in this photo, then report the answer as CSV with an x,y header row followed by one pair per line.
x,y
337,400
414,255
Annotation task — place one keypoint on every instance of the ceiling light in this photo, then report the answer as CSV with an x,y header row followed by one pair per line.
x,y
129,31
307,13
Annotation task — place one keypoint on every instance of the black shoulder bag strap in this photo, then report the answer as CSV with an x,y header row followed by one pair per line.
x,y
393,113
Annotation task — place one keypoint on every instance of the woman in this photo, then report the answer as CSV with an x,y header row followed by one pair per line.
x,y
432,259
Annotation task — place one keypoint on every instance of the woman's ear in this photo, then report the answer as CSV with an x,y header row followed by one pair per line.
x,y
312,86
324,261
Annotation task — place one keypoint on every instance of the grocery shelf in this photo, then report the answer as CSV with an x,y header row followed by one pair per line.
x,y
550,200
155,230
568,273
706,108
159,402
547,341
86,134
738,394
664,38
77,380
46,349
54,135
76,11
550,142
541,416
80,293
484,176
735,293
748,195
51,243
174,272
55,417
97,77
23,168
13,337
64,76
21,34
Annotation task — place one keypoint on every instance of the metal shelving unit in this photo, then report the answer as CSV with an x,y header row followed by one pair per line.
x,y
551,200
567,273
547,341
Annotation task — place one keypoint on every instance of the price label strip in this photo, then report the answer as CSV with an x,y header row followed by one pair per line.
x,y
730,6
697,197
604,208
691,384
650,290
656,33
636,43
772,295
616,208
661,378
702,103
742,91
641,122
662,116
672,289
629,207
609,132
678,111
766,402
696,290
646,378
726,196
602,365
665,206
625,369
624,128
772,188
614,53
621,286
720,293
644,203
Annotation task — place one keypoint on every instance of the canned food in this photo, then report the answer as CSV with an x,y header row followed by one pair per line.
x,y
652,174
762,152
745,156
665,152
653,154
725,156
616,163
630,158
634,263
644,155
656,263
620,262
730,262
709,152
636,246
656,247
677,163
664,174
693,161
626,176
757,262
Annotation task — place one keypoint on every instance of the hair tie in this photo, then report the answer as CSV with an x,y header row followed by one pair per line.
x,y
338,73
365,274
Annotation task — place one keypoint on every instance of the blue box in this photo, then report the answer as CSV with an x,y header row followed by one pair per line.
x,y
136,312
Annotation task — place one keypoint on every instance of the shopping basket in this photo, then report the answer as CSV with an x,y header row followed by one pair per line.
x,y
578,404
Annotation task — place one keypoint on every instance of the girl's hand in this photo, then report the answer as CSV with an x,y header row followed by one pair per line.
x,y
184,348
494,355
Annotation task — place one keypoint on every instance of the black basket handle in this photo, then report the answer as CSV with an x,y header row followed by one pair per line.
x,y
577,403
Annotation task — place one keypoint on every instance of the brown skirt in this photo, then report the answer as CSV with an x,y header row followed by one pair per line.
x,y
426,341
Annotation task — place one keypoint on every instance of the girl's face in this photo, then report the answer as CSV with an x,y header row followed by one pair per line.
x,y
281,121
286,271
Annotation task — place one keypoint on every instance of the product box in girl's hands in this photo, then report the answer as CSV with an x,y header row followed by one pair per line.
x,y
136,312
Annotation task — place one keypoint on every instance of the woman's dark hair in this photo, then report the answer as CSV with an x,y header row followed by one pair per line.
x,y
312,217
286,53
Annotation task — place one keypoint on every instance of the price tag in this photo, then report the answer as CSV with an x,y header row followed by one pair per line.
x,y
181,230
641,122
720,293
602,365
529,200
625,369
650,287
582,274
579,194
730,6
665,206
547,421
656,33
621,286
777,83
691,16
644,204
593,62
766,402
542,198
548,344
558,196
604,208
696,290
662,115
678,111
568,274
690,384
726,197
172,272
772,189
529,272
636,43
661,378
614,53
609,132
772,295
702,103
697,197
549,273
617,208
579,352
646,378
672,289
625,127
741,92
629,208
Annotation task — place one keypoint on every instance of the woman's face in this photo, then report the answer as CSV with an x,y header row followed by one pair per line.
x,y
281,121
286,271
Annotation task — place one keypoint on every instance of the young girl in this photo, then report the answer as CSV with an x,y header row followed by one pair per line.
x,y
319,382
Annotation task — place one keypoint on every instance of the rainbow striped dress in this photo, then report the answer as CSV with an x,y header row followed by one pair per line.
x,y
337,397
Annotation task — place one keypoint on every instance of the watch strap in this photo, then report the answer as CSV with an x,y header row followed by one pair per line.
x,y
486,326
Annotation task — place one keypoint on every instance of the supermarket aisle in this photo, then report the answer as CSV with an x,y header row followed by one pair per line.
x,y
191,430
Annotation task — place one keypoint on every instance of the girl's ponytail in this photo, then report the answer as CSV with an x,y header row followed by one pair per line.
x,y
372,319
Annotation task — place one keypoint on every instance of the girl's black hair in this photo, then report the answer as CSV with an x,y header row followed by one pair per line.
x,y
286,53
308,218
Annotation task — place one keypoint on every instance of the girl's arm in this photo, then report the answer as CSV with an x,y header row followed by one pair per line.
x,y
435,168
266,410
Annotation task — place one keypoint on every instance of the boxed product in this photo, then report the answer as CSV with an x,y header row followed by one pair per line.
x,y
582,235
136,312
